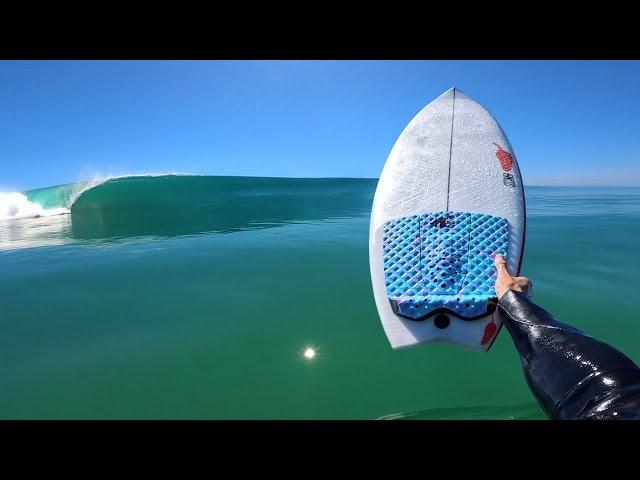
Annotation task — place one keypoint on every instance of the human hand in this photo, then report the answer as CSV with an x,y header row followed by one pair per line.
x,y
505,281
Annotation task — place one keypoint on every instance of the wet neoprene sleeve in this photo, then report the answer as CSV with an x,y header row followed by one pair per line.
x,y
572,375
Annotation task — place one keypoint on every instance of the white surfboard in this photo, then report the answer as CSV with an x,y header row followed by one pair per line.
x,y
451,166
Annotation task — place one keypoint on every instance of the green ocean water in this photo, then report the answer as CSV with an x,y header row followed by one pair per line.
x,y
195,297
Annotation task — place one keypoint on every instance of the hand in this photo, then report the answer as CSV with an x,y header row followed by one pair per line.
x,y
506,282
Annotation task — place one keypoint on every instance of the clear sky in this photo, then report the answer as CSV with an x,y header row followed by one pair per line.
x,y
62,121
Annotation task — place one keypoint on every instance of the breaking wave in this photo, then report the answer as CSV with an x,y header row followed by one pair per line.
x,y
167,205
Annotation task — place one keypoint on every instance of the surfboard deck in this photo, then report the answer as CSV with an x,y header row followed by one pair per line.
x,y
450,197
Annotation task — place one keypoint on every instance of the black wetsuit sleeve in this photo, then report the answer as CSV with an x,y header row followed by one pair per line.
x,y
572,375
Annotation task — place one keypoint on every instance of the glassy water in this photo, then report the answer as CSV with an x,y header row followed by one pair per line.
x,y
196,297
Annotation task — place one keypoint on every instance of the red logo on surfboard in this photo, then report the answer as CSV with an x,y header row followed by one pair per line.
x,y
506,161
489,332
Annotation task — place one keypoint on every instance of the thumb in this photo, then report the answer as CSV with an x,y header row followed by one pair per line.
x,y
501,266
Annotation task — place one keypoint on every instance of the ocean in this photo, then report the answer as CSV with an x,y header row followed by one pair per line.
x,y
184,297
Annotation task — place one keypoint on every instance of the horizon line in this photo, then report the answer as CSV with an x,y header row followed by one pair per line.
x,y
115,177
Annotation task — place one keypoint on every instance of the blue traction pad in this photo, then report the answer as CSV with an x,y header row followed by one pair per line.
x,y
442,260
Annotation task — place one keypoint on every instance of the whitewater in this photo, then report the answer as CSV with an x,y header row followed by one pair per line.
x,y
15,205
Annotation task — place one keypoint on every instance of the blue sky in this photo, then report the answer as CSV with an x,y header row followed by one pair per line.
x,y
62,121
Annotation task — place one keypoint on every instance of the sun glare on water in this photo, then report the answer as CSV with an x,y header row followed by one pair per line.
x,y
309,353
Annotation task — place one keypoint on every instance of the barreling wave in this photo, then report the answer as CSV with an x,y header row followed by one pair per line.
x,y
42,202
184,204
50,201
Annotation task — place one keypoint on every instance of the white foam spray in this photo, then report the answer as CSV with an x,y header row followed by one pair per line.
x,y
15,205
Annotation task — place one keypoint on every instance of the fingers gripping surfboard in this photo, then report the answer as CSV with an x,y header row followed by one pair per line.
x,y
450,197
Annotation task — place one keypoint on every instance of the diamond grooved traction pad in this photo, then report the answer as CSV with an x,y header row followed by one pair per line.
x,y
442,260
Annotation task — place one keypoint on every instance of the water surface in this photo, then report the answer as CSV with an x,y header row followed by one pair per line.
x,y
195,297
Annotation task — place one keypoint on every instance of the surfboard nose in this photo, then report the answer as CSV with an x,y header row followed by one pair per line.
x,y
449,92
455,90
452,92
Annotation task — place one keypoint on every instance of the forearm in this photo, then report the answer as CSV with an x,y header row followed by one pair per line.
x,y
571,374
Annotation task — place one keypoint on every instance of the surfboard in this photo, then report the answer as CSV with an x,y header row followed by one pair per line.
x,y
449,198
